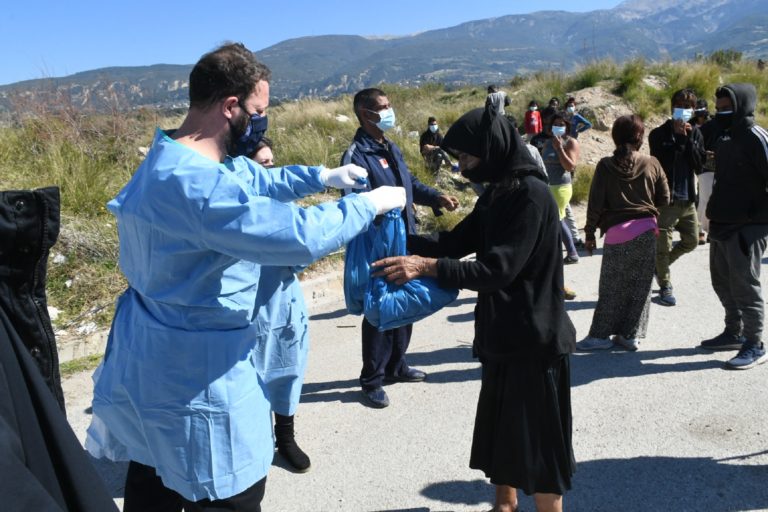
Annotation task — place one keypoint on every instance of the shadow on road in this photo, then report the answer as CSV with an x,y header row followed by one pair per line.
x,y
575,305
587,367
330,315
640,484
463,317
458,354
474,492
669,483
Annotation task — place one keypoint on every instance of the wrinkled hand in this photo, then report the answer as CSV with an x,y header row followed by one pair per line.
x,y
450,203
386,198
590,246
346,176
401,269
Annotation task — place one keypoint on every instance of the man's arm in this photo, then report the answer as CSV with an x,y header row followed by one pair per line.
x,y
759,151
695,152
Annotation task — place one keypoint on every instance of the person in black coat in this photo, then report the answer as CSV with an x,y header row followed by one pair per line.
x,y
43,465
523,335
679,146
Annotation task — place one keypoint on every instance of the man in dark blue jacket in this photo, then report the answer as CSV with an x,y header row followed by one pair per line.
x,y
738,225
384,352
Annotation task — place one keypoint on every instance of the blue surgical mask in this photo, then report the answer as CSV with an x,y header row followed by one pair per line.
x,y
246,143
684,114
558,131
570,110
433,128
386,119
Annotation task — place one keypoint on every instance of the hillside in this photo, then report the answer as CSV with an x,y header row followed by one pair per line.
x,y
476,52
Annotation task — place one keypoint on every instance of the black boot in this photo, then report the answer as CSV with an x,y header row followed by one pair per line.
x,y
286,444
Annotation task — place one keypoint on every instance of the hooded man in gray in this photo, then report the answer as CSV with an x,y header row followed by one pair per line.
x,y
738,216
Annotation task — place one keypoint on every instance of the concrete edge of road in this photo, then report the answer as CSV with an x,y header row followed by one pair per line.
x,y
317,291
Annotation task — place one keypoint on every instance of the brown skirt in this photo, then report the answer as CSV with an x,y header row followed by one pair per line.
x,y
522,432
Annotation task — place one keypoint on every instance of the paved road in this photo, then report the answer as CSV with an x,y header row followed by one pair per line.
x,y
664,429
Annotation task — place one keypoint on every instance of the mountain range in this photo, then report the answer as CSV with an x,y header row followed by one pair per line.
x,y
476,52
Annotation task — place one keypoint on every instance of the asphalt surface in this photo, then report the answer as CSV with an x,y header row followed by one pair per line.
x,y
666,428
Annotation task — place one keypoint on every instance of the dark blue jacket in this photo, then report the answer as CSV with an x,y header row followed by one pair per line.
x,y
386,167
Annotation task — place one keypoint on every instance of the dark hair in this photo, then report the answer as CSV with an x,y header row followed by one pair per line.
x,y
533,103
366,98
559,115
685,96
570,99
627,134
492,88
431,120
701,104
265,142
554,99
230,70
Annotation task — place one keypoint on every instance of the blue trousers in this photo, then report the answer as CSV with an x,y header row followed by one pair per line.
x,y
383,354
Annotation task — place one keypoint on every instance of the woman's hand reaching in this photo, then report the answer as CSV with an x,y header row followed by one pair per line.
x,y
401,269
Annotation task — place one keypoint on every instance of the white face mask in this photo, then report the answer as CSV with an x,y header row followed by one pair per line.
x,y
532,109
558,131
571,109
683,114
433,128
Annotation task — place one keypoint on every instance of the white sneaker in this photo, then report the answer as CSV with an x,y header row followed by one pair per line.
x,y
591,343
630,344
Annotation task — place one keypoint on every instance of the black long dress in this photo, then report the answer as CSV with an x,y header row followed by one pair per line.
x,y
523,335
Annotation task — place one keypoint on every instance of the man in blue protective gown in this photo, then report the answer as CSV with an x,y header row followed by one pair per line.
x,y
211,334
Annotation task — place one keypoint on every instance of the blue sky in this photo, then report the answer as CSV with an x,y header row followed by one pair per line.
x,y
48,39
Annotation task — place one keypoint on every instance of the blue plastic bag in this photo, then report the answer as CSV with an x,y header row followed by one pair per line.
x,y
357,270
388,305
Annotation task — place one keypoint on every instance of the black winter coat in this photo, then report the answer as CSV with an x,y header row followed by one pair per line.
x,y
43,465
518,272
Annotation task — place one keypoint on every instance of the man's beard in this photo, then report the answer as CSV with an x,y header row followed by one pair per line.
x,y
237,128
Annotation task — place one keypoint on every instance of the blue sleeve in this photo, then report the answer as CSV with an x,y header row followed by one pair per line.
x,y
265,230
284,184
582,123
424,194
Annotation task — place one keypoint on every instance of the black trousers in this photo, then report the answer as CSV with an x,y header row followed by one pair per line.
x,y
145,492
383,353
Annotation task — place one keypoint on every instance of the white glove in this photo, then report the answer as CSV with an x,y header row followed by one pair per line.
x,y
386,198
346,176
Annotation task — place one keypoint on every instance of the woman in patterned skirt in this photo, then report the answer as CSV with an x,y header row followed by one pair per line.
x,y
627,190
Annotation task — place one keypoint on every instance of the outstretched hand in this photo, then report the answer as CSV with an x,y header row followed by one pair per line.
x,y
401,269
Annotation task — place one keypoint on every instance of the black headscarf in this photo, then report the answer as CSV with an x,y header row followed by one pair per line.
x,y
486,134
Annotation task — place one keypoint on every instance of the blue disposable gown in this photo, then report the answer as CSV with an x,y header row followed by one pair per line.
x,y
213,326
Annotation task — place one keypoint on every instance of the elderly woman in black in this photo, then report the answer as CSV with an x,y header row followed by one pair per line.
x,y
523,335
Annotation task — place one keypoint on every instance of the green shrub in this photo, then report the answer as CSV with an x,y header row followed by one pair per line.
x,y
582,181
592,74
631,77
724,58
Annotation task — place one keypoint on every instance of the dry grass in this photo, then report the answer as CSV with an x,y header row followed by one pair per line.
x,y
91,156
